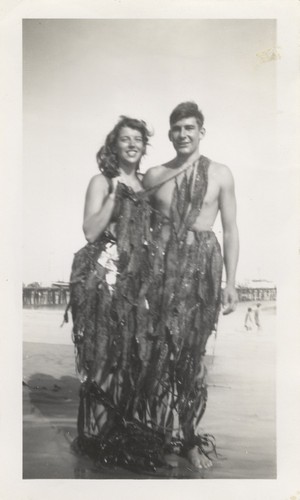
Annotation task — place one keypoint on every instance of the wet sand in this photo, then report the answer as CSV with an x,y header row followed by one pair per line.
x,y
240,411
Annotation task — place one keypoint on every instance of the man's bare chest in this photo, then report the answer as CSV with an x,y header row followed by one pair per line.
x,y
165,195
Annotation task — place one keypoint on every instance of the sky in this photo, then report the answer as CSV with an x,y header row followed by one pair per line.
x,y
80,75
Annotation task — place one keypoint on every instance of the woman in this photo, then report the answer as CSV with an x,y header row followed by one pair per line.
x,y
108,286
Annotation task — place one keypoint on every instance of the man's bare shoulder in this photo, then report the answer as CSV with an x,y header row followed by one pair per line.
x,y
153,176
221,173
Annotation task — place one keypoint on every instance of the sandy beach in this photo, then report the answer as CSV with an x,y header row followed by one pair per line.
x,y
240,411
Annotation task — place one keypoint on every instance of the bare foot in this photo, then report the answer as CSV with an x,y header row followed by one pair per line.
x,y
171,460
198,459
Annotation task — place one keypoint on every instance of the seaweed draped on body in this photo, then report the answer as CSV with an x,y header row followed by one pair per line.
x,y
144,299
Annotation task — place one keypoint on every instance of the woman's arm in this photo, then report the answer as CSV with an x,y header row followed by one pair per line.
x,y
99,206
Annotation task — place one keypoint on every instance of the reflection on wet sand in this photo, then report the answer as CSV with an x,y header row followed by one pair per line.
x,y
240,411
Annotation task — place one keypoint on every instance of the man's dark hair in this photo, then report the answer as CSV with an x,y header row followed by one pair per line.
x,y
187,110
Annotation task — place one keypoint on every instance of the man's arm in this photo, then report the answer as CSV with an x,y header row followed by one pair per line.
x,y
230,239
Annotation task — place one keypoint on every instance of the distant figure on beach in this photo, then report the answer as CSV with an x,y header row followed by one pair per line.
x,y
249,319
186,297
257,319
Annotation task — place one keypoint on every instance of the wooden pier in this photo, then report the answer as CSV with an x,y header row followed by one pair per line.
x,y
256,294
34,297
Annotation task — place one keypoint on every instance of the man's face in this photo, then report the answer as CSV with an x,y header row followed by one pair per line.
x,y
185,136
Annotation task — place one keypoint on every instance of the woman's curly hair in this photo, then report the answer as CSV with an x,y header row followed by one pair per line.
x,y
107,157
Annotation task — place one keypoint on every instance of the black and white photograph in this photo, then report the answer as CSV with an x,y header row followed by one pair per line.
x,y
154,227
136,148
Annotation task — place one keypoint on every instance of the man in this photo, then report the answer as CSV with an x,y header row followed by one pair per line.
x,y
257,317
187,193
248,319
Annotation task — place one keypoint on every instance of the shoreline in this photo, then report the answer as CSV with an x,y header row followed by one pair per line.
x,y
240,411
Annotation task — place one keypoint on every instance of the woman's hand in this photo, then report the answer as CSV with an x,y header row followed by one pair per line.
x,y
115,181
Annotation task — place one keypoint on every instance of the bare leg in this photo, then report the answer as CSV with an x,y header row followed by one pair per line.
x,y
99,410
195,456
99,416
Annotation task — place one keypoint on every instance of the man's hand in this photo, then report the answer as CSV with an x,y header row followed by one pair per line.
x,y
229,299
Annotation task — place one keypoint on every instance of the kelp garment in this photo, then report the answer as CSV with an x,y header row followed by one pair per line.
x,y
109,281
184,301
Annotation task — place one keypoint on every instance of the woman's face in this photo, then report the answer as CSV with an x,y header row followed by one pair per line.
x,y
129,146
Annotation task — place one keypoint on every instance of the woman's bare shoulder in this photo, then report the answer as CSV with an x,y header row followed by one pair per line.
x,y
98,181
